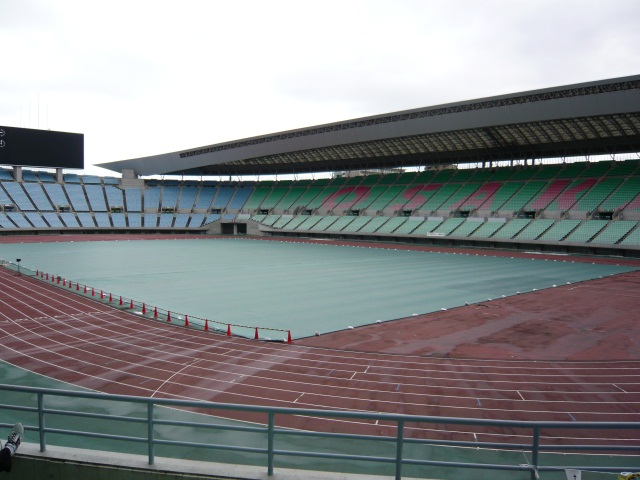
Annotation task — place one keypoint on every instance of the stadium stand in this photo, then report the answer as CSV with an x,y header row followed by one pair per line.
x,y
152,199
69,219
187,199
96,196
135,220
170,197
150,220
102,219
614,232
557,204
35,218
86,219
18,196
77,198
52,219
114,197
119,220
19,219
488,228
339,225
196,220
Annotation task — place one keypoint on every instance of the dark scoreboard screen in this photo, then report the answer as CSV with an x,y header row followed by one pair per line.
x,y
41,148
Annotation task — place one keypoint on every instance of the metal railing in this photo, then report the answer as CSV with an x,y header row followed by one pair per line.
x,y
265,433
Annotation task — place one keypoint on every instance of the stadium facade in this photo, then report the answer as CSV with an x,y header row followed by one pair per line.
x,y
478,178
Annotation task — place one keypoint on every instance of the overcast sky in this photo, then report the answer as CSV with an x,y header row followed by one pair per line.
x,y
140,77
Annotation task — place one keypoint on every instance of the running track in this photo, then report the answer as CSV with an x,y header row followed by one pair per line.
x,y
56,333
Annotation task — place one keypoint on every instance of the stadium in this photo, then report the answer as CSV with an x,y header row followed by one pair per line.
x,y
522,365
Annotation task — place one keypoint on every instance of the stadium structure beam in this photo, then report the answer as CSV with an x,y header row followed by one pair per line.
x,y
585,119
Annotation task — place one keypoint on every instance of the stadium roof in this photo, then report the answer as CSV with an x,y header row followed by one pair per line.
x,y
593,118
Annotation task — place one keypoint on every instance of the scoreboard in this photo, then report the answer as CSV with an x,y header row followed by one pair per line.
x,y
41,148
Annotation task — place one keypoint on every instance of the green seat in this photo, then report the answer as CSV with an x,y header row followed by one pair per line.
x,y
535,229
512,228
614,231
586,231
559,230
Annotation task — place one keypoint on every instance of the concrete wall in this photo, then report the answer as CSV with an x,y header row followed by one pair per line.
x,y
61,463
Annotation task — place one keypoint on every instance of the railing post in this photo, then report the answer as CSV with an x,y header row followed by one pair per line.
x,y
399,445
534,452
270,443
150,442
43,443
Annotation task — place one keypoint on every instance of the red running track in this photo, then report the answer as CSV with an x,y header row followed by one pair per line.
x,y
56,333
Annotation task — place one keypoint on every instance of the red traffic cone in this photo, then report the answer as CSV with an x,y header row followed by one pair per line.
x,y
155,312
131,305
228,329
289,338
144,308
64,282
101,294
186,320
110,298
256,337
37,273
121,303
93,292
85,289
77,286
206,325
168,316
47,278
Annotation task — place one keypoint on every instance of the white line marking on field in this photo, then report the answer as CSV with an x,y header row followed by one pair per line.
x,y
619,388
520,394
